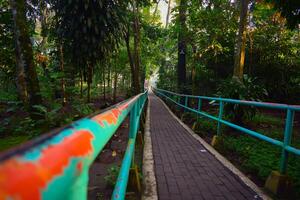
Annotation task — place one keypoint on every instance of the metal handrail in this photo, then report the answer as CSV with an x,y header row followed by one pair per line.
x,y
290,109
241,102
56,166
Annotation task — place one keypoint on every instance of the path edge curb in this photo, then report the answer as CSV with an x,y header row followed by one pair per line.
x,y
220,158
149,180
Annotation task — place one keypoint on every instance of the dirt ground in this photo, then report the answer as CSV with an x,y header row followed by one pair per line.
x,y
110,156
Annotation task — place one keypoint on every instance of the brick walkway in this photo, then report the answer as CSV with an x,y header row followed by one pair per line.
x,y
184,169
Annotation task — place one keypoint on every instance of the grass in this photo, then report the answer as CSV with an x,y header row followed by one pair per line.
x,y
258,158
267,119
12,141
17,127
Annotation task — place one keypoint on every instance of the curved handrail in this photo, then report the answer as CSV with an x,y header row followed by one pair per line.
x,y
56,166
290,109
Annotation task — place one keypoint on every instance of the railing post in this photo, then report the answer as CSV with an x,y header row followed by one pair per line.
x,y
199,107
199,104
186,102
132,122
216,138
221,108
287,140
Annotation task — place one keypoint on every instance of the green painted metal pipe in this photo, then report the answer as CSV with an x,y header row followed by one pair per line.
x,y
221,108
121,184
122,181
287,140
186,100
199,104
241,102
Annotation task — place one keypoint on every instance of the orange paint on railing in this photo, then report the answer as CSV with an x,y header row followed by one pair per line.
x,y
111,116
28,178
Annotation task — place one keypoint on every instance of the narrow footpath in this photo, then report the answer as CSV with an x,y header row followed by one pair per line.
x,y
184,168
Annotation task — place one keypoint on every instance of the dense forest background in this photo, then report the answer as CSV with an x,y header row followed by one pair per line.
x,y
61,60
270,61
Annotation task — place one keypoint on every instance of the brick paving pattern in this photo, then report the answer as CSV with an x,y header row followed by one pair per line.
x,y
184,169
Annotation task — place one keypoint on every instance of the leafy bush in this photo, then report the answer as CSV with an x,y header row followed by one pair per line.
x,y
259,158
7,96
49,117
203,127
111,177
246,90
82,108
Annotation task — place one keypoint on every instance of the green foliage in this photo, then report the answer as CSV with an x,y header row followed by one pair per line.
x,y
111,177
7,60
8,96
246,90
267,119
83,109
276,54
259,158
27,126
290,10
205,127
92,28
13,141
99,196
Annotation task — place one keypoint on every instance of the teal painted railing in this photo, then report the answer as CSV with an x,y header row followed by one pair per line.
x,y
290,112
56,166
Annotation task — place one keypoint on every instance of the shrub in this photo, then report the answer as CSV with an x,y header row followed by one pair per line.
x,y
111,177
246,90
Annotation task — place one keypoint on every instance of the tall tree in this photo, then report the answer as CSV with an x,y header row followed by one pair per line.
x,y
93,29
20,73
168,13
62,69
182,33
239,57
137,44
24,46
134,56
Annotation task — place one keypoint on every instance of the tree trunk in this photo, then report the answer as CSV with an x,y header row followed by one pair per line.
x,y
143,77
44,33
63,85
136,38
134,75
81,84
104,92
131,63
115,86
168,13
156,8
195,60
26,52
89,81
181,66
108,82
20,74
43,20
239,58
250,68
